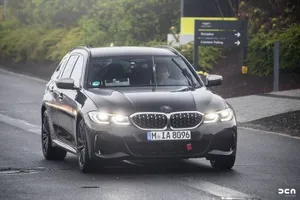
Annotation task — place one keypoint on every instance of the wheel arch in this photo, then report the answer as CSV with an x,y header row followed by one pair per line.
x,y
43,109
80,117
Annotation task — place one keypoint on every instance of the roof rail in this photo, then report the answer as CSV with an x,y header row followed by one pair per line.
x,y
86,48
169,48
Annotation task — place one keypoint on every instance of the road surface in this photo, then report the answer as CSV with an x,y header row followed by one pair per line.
x,y
265,163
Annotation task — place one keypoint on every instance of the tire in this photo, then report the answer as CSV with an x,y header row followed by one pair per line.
x,y
223,163
86,165
50,152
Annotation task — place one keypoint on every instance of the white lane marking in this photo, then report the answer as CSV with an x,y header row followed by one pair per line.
x,y
22,75
216,190
20,124
268,132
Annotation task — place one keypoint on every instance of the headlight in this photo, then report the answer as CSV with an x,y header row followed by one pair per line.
x,y
223,115
99,117
120,119
106,118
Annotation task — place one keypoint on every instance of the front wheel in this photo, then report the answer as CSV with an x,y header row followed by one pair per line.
x,y
223,163
86,164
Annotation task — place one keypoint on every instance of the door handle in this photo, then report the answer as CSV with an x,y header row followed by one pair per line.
x,y
61,96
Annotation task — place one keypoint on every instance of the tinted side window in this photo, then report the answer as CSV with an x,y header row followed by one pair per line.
x,y
59,68
69,67
77,71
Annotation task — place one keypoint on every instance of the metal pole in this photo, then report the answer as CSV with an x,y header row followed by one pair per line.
x,y
245,40
276,66
196,46
182,8
5,9
195,56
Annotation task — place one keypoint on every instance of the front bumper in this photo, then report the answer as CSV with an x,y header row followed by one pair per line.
x,y
129,142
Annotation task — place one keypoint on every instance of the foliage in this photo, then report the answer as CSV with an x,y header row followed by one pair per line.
x,y
38,43
270,21
270,15
207,56
260,58
68,39
49,12
45,29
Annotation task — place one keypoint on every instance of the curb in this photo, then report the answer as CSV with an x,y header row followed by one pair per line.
x,y
269,132
22,75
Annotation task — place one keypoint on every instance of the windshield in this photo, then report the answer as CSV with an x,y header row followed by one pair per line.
x,y
138,71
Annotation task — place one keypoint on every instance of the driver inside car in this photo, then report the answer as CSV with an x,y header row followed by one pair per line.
x,y
163,75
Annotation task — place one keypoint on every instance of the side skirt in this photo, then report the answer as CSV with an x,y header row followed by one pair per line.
x,y
65,146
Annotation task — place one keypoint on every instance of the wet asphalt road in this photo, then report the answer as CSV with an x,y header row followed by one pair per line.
x,y
265,163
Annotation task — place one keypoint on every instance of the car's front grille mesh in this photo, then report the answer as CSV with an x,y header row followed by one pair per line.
x,y
172,120
185,120
150,121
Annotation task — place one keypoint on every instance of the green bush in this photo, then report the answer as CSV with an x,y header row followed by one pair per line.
x,y
46,30
261,51
70,39
19,43
207,56
38,43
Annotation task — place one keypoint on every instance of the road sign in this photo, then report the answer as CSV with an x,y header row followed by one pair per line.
x,y
220,33
221,38
237,34
219,24
221,43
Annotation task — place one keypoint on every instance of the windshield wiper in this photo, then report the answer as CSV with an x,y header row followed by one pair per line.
x,y
154,74
186,74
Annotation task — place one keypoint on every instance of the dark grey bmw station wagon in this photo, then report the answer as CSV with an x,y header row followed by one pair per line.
x,y
135,103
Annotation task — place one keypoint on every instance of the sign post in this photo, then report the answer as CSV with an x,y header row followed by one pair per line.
x,y
218,33
276,67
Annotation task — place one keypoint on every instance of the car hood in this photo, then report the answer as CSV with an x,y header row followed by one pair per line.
x,y
133,100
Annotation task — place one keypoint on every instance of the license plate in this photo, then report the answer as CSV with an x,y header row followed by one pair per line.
x,y
168,135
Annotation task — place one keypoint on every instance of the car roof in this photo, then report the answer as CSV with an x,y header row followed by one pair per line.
x,y
129,51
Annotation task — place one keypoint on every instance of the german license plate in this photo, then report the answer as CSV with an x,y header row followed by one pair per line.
x,y
168,135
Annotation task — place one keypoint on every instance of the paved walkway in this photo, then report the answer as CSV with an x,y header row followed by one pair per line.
x,y
254,107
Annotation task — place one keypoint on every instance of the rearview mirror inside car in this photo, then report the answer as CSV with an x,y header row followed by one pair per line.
x,y
213,80
65,83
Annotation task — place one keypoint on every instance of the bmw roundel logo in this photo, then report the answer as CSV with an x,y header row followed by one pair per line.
x,y
166,109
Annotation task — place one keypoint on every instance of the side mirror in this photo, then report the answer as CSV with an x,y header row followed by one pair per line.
x,y
65,83
213,80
